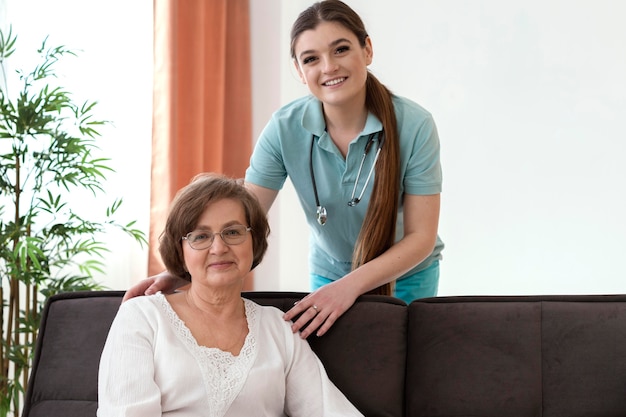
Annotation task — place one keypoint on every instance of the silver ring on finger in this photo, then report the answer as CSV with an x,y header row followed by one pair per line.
x,y
315,308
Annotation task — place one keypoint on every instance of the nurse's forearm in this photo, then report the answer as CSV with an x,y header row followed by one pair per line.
x,y
395,262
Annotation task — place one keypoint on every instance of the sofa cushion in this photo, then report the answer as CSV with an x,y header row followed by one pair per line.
x,y
522,356
474,358
584,356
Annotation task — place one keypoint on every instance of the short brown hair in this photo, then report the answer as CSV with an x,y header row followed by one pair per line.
x,y
189,204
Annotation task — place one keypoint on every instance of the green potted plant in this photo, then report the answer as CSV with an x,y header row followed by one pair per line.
x,y
48,155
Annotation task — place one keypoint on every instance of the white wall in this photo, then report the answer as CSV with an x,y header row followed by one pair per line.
x,y
113,40
529,101
274,83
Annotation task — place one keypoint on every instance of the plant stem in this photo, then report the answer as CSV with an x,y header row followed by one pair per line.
x,y
4,376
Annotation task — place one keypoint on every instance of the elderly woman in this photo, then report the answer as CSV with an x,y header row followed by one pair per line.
x,y
206,351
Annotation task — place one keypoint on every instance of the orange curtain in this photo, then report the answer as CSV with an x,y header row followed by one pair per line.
x,y
202,99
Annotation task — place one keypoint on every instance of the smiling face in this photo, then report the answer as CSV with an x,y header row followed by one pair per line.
x,y
220,265
330,60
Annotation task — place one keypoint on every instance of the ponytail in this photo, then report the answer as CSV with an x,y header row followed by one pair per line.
x,y
378,232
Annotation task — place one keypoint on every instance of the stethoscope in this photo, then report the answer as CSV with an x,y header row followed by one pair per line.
x,y
321,213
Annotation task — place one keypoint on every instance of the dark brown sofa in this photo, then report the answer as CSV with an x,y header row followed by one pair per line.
x,y
522,356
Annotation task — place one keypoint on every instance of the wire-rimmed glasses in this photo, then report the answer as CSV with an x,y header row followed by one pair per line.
x,y
232,235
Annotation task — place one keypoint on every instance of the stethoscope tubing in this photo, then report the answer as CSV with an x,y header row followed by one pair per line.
x,y
321,213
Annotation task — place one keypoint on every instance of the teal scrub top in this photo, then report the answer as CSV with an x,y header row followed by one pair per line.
x,y
284,150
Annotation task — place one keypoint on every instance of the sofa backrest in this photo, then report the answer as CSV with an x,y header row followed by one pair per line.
x,y
64,376
364,352
522,356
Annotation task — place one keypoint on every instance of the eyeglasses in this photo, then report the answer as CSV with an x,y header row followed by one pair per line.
x,y
232,235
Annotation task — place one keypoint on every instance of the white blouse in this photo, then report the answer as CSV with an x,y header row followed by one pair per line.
x,y
151,365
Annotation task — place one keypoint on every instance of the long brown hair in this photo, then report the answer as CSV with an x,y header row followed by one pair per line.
x,y
378,231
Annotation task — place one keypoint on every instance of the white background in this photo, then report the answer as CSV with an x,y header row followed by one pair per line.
x,y
529,98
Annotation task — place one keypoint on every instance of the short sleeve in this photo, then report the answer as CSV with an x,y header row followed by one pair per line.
x,y
423,175
267,167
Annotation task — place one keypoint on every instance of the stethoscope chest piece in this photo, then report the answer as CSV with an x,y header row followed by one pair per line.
x,y
321,215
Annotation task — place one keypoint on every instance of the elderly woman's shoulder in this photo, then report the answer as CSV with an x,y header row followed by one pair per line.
x,y
266,313
262,308
146,302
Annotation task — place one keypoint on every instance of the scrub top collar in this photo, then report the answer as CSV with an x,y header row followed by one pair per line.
x,y
313,121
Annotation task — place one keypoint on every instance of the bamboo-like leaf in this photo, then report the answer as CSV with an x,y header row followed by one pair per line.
x,y
27,250
7,44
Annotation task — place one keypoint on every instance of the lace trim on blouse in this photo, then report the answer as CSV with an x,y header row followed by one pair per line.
x,y
224,374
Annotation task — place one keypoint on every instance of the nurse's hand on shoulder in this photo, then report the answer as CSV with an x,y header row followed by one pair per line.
x,y
322,308
164,282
